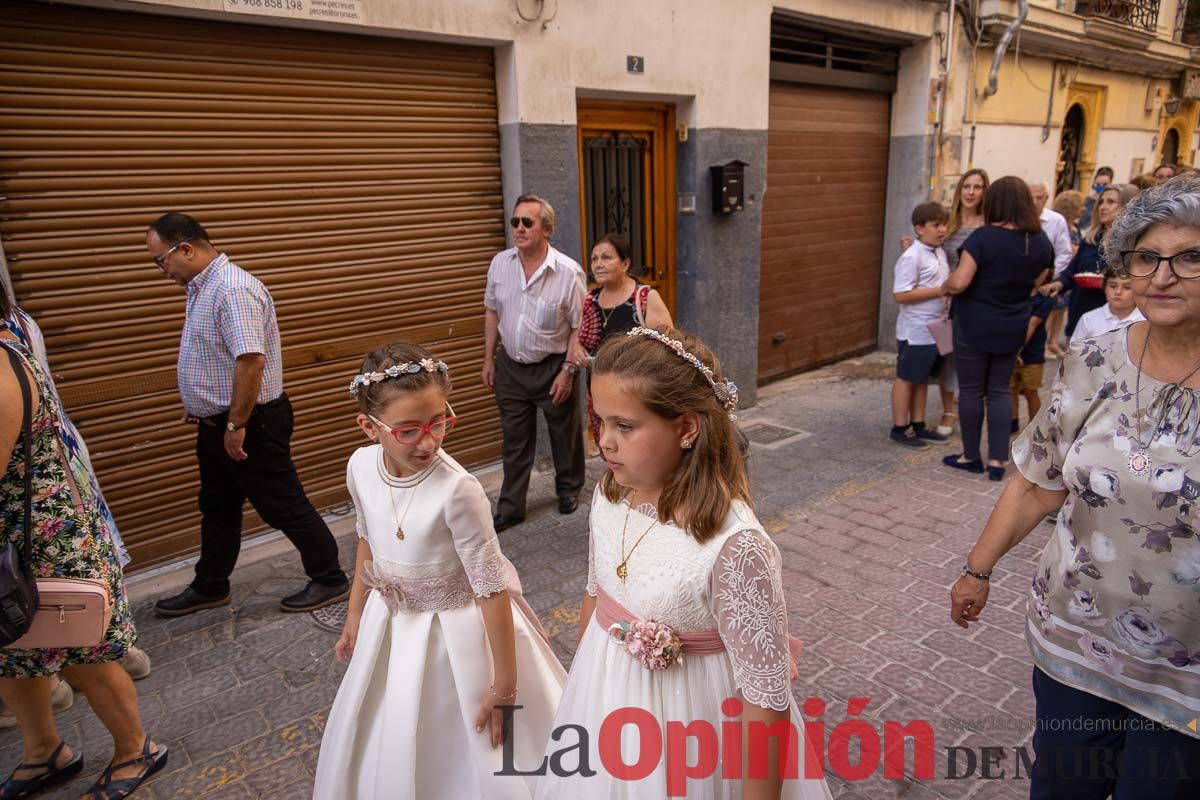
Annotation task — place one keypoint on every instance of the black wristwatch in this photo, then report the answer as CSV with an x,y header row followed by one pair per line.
x,y
983,576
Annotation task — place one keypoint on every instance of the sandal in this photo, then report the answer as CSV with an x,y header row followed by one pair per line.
x,y
16,788
947,430
105,788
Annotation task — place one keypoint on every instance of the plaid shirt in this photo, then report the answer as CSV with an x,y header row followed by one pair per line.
x,y
229,313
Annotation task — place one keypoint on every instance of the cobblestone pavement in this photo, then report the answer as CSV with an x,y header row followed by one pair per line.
x,y
872,535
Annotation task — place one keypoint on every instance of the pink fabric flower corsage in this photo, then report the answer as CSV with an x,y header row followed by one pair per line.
x,y
655,645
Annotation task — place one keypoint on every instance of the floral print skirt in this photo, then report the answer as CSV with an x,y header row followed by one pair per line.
x,y
75,546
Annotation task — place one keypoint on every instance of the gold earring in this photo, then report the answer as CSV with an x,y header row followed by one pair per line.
x,y
687,444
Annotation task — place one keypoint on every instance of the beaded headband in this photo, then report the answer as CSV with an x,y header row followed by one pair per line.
x,y
725,391
396,371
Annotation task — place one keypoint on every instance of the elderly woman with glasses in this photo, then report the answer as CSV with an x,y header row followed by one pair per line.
x,y
1113,617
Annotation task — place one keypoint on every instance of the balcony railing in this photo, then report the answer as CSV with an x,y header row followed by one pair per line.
x,y
1141,14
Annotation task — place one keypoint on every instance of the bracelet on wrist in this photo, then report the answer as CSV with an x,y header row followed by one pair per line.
x,y
511,696
983,576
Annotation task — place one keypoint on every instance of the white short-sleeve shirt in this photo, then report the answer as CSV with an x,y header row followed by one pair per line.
x,y
536,315
919,267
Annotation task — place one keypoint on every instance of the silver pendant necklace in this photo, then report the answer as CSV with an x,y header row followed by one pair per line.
x,y
1139,462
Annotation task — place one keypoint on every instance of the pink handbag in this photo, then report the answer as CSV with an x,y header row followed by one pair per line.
x,y
71,612
943,335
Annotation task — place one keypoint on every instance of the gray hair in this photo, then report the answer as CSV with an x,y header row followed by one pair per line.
x,y
1175,202
1035,184
547,213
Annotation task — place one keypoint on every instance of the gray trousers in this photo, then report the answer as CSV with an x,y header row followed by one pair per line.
x,y
521,389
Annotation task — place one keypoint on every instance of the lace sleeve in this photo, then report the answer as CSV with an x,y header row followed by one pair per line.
x,y
469,517
591,575
747,597
590,588
360,522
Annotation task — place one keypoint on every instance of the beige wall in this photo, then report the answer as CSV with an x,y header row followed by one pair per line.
x,y
1023,93
1009,124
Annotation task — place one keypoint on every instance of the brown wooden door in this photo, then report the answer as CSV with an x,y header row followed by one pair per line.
x,y
358,178
627,185
822,226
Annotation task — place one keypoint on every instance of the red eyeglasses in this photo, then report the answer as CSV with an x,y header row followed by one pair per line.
x,y
411,434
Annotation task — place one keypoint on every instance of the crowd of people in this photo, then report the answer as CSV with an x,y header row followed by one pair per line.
x,y
1112,459
440,640
1016,303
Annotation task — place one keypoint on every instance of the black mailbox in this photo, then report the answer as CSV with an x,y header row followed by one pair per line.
x,y
729,187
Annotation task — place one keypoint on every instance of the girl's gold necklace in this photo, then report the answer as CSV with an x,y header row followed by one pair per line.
x,y
396,512
623,567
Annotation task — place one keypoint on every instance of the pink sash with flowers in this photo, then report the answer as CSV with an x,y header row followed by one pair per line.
x,y
610,612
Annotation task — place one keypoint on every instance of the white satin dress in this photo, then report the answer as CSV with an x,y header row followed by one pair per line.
x,y
402,726
732,584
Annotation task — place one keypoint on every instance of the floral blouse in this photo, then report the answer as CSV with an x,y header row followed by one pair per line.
x,y
1115,604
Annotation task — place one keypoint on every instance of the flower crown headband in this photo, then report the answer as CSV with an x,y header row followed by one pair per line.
x,y
396,371
725,391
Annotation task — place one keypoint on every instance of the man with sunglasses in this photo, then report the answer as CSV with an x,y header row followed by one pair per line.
x,y
534,302
230,376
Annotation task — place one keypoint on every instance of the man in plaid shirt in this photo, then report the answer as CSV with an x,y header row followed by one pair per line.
x,y
231,383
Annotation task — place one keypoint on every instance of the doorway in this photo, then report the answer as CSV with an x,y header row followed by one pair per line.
x,y
1070,151
627,185
1170,148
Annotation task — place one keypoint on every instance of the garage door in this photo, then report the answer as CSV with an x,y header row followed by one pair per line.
x,y
358,178
822,227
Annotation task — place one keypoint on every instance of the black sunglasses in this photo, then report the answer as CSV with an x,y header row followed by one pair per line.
x,y
517,221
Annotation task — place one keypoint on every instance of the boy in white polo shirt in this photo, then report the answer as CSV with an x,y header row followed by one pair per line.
x,y
920,273
1118,312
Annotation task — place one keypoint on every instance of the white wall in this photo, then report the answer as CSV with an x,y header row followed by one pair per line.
x,y
1118,148
1018,150
1015,150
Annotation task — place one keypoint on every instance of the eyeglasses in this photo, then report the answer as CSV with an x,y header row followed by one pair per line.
x,y
1144,263
517,221
411,434
160,261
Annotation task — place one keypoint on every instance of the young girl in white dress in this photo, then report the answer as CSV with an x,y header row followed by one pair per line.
x,y
437,633
676,551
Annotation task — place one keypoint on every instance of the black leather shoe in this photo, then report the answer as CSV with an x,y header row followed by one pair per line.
x,y
189,601
501,522
567,505
315,595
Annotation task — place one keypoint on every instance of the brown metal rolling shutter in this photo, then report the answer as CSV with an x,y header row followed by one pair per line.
x,y
358,178
822,226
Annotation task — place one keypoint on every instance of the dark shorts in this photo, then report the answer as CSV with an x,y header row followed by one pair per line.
x,y
917,363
